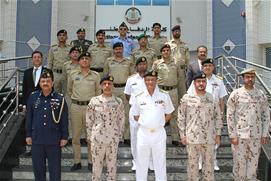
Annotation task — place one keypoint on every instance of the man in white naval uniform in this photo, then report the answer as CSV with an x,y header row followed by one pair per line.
x,y
134,85
152,109
216,87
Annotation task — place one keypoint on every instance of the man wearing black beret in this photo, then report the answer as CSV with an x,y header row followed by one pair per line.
x,y
81,41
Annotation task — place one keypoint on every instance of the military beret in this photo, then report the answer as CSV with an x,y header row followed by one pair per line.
x,y
141,59
100,32
199,75
47,74
141,36
81,30
164,46
123,25
208,60
118,44
151,73
107,77
177,27
85,54
75,48
61,31
248,71
156,24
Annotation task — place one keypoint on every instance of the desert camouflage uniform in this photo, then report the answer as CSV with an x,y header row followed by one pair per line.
x,y
105,121
248,119
199,121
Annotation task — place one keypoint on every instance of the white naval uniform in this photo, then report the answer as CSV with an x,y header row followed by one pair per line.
x,y
151,135
216,87
134,85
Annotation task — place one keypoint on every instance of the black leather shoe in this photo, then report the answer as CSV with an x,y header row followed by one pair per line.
x,y
69,141
83,142
76,166
28,154
176,143
89,166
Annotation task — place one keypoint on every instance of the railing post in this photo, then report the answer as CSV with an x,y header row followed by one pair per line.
x,y
17,91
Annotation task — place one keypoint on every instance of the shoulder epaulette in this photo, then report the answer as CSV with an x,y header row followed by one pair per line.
x,y
54,45
132,75
94,72
219,77
161,90
139,94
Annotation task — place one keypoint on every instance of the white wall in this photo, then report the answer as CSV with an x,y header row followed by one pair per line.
x,y
192,16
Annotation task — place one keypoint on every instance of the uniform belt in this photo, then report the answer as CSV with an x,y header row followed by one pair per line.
x,y
167,88
119,85
99,69
151,130
81,103
57,71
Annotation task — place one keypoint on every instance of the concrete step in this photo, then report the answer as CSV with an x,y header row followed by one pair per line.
x,y
124,173
172,160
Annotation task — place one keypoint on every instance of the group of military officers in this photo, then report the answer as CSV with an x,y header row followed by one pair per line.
x,y
144,85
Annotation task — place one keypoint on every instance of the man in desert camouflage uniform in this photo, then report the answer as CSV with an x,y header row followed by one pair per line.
x,y
144,50
105,121
169,84
180,52
99,53
248,119
200,126
120,68
58,55
157,41
83,84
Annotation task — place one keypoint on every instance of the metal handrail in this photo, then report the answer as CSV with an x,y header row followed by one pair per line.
x,y
5,60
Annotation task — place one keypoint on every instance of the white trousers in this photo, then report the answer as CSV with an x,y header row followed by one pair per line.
x,y
151,143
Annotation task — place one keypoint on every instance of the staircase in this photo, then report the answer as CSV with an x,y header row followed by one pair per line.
x,y
176,164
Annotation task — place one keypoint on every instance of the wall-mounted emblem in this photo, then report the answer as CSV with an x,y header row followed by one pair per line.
x,y
133,15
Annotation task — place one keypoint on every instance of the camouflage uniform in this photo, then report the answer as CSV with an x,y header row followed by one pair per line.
x,y
105,121
248,119
99,54
199,121
120,71
83,44
81,88
56,58
156,44
169,84
181,55
148,53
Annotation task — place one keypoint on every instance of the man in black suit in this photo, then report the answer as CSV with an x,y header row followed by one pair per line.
x,y
31,80
32,76
195,67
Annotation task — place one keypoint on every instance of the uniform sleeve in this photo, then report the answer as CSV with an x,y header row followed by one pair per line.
x,y
265,116
218,119
121,119
231,106
127,89
29,117
106,67
187,57
64,77
168,105
90,118
132,68
223,91
64,121
136,108
50,59
69,85
97,85
181,119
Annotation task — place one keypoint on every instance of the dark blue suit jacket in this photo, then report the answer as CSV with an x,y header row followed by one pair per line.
x,y
39,120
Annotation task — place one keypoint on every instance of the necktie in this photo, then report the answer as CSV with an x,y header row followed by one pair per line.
x,y
34,75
